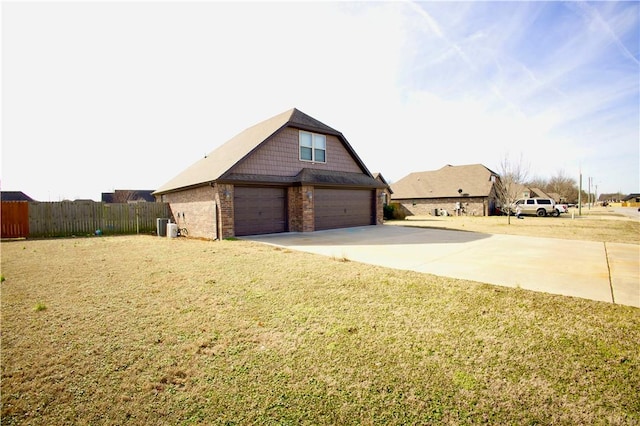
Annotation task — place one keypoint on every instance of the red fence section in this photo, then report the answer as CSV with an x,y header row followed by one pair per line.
x,y
14,217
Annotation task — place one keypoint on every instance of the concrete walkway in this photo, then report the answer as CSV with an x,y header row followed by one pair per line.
x,y
592,270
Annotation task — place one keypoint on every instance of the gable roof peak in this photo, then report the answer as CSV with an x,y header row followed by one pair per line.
x,y
221,160
306,122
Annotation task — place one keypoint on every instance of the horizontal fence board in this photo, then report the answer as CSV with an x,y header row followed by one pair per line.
x,y
62,219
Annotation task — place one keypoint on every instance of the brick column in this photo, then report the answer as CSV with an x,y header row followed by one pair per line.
x,y
308,212
294,208
379,207
224,198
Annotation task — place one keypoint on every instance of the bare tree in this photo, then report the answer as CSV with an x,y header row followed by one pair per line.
x,y
509,185
564,186
537,182
123,196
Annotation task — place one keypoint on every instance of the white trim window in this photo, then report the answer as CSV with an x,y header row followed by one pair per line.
x,y
313,147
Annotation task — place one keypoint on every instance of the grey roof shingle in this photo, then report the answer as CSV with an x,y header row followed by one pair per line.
x,y
473,179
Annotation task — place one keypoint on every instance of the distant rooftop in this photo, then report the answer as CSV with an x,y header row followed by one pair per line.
x,y
15,196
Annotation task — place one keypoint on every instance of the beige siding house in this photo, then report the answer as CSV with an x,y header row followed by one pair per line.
x,y
290,173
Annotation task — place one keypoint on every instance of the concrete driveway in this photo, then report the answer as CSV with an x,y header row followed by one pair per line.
x,y
592,270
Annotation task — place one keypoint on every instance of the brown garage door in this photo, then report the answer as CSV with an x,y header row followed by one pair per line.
x,y
343,208
259,210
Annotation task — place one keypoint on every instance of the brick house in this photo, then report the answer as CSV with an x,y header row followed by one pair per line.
x,y
128,196
290,173
471,187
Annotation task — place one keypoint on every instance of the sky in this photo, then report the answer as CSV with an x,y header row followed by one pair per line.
x,y
126,95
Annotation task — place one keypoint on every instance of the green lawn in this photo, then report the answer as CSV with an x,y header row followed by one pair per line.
x,y
147,330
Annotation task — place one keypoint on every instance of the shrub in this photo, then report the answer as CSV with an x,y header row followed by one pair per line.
x,y
388,212
394,211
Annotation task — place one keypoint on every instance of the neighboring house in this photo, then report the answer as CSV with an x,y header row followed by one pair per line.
x,y
14,196
559,199
522,191
471,187
128,196
612,197
631,199
519,191
290,173
386,198
538,193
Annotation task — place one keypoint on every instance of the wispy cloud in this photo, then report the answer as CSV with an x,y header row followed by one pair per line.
x,y
594,19
535,77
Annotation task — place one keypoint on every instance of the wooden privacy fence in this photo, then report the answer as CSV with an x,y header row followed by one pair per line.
x,y
14,219
61,219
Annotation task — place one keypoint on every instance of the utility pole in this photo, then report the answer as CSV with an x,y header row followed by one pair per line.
x,y
580,195
589,194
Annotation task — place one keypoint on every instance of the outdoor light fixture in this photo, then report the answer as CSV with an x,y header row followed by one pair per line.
x,y
227,194
309,195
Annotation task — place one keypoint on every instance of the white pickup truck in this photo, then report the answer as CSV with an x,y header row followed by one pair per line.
x,y
539,207
561,208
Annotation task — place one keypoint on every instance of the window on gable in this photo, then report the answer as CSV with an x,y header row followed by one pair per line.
x,y
313,147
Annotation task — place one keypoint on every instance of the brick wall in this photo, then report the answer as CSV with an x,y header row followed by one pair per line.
x,y
195,210
473,206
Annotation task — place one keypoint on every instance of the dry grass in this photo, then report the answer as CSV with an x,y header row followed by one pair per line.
x,y
144,330
598,224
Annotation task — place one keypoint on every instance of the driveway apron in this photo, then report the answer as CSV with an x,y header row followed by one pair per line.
x,y
591,270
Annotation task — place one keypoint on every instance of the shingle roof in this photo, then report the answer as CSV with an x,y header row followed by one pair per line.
x,y
309,176
472,179
540,193
556,197
631,196
127,195
220,161
15,196
378,176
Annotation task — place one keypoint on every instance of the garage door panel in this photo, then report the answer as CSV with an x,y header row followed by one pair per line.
x,y
343,208
259,210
